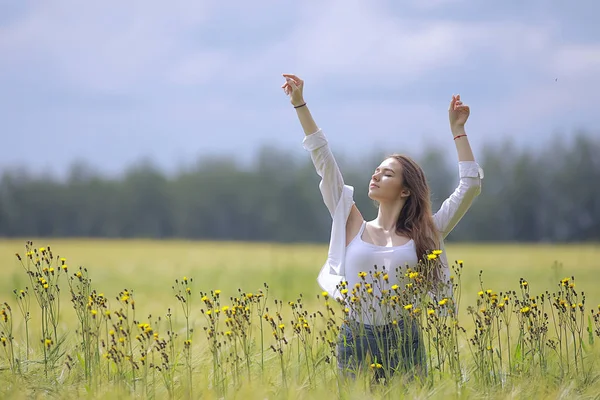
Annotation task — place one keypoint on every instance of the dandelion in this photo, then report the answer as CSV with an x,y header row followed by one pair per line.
x,y
408,306
431,256
437,252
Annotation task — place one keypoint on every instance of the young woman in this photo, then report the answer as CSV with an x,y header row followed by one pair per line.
x,y
404,232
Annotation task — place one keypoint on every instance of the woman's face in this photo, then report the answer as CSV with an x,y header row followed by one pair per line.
x,y
386,182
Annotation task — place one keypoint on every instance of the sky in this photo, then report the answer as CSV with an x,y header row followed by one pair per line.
x,y
112,83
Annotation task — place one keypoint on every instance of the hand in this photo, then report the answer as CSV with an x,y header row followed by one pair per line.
x,y
458,113
293,87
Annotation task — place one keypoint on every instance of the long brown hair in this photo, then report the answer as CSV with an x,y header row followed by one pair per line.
x,y
416,219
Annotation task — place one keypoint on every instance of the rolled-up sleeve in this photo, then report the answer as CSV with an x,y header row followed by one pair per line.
x,y
454,207
332,182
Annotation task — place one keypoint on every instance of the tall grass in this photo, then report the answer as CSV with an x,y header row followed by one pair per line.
x,y
204,341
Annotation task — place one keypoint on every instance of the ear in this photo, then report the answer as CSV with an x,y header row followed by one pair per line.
x,y
405,193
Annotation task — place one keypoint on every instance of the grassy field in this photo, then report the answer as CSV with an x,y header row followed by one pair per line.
x,y
148,270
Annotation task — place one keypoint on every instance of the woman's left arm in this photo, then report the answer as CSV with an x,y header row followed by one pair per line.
x,y
470,173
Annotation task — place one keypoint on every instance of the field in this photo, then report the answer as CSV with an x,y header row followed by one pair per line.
x,y
152,273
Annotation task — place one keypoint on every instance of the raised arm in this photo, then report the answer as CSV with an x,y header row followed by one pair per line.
x,y
470,173
332,183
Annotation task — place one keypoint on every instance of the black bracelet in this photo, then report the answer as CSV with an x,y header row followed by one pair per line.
x,y
301,105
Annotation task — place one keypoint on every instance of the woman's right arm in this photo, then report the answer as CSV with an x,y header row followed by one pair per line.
x,y
332,181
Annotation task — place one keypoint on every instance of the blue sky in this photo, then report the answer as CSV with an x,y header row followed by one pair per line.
x,y
113,82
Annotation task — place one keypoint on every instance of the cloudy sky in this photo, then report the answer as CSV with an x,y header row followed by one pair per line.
x,y
111,82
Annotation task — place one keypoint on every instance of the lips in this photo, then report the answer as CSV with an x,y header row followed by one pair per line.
x,y
372,185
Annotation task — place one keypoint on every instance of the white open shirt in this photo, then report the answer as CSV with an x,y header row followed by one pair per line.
x,y
339,199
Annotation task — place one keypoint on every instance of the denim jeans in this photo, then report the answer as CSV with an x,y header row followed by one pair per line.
x,y
393,349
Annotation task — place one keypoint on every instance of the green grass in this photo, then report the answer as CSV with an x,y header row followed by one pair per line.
x,y
150,268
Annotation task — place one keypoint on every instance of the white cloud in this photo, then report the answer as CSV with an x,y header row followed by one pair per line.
x,y
101,46
199,68
367,44
575,59
354,47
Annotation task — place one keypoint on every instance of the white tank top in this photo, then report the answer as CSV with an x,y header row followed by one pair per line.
x,y
364,257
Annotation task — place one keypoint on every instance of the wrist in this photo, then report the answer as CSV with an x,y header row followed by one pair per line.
x,y
458,130
298,103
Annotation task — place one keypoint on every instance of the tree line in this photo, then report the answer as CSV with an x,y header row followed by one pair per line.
x,y
549,195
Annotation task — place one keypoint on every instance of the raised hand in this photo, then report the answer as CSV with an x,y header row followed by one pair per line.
x,y
458,113
293,87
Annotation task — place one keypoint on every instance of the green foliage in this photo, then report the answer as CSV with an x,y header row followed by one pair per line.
x,y
550,195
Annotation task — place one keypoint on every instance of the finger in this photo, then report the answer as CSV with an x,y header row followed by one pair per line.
x,y
291,76
293,85
294,78
452,103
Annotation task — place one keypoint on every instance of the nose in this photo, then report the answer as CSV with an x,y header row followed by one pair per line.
x,y
375,177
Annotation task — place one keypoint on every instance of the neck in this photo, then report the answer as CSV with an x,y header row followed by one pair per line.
x,y
388,214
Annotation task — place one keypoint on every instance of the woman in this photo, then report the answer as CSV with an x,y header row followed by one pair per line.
x,y
404,233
